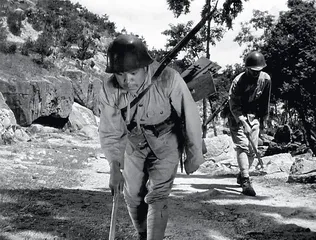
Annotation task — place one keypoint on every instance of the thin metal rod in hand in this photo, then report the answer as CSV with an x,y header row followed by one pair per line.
x,y
113,216
255,150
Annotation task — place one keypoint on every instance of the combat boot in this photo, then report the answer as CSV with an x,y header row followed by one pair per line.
x,y
247,188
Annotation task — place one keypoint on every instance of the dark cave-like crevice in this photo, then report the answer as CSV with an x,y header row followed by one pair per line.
x,y
51,121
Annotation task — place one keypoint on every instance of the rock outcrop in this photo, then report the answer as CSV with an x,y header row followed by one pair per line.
x,y
86,88
80,117
219,148
9,130
7,117
303,170
32,98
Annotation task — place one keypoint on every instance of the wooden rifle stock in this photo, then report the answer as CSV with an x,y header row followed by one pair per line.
x,y
173,53
170,55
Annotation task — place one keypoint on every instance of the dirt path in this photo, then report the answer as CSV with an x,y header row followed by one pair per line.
x,y
56,188
203,206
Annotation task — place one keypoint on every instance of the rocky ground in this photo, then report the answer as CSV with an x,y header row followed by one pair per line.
x,y
56,187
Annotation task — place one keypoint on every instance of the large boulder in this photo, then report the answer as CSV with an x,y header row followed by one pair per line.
x,y
219,148
90,131
86,88
34,97
7,117
303,170
7,120
10,132
80,117
276,163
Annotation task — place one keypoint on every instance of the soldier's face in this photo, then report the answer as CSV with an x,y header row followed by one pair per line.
x,y
253,73
131,80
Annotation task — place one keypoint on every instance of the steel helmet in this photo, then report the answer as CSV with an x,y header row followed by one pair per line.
x,y
255,61
125,53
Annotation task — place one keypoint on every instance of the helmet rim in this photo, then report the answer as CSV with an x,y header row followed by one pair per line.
x,y
255,61
127,53
257,68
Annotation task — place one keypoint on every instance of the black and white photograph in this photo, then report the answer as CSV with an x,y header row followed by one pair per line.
x,y
157,120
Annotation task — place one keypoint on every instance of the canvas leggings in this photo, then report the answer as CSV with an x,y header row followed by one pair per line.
x,y
244,150
148,183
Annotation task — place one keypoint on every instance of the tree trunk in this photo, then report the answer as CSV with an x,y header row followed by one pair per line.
x,y
208,2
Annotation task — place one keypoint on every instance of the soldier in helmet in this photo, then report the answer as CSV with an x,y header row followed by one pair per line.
x,y
143,142
249,98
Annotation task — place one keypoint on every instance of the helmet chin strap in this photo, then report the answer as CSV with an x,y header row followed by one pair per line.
x,y
144,81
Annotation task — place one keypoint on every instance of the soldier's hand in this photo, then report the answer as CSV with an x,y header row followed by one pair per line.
x,y
246,126
116,182
191,166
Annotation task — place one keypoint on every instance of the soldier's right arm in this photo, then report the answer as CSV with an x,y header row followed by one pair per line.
x,y
235,104
112,131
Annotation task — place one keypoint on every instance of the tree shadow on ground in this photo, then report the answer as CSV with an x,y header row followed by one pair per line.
x,y
243,217
80,214
60,214
206,176
216,176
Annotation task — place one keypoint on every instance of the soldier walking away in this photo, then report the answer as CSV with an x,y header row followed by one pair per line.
x,y
143,142
249,98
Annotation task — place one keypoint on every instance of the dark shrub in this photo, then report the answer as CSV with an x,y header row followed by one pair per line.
x,y
14,22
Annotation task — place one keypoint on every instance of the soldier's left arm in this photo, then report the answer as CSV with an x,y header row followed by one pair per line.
x,y
264,104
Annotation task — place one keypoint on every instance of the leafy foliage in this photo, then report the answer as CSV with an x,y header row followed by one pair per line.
x,y
27,47
230,10
3,36
68,30
194,48
261,21
5,47
225,15
197,45
43,46
83,52
223,81
179,7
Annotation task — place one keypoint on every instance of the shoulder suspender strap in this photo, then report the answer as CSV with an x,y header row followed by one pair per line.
x,y
139,97
136,100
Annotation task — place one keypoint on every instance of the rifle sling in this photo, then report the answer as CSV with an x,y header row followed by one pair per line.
x,y
136,100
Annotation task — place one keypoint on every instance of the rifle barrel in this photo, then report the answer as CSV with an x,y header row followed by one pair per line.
x,y
167,59
215,113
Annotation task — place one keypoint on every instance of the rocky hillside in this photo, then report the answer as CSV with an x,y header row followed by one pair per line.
x,y
52,55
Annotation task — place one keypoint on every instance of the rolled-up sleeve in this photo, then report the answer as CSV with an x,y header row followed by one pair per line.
x,y
112,130
186,108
